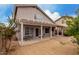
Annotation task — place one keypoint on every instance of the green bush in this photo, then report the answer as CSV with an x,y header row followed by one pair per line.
x,y
66,33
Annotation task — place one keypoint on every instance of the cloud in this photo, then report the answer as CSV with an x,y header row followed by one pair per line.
x,y
54,16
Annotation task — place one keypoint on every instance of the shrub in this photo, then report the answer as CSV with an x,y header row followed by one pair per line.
x,y
67,33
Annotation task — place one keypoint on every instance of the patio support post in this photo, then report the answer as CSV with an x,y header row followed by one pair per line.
x,y
62,31
50,32
54,32
41,31
21,33
57,31
34,33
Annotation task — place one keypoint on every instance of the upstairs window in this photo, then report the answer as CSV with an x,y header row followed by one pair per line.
x,y
38,17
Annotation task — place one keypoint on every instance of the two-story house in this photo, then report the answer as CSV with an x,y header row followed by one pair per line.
x,y
32,22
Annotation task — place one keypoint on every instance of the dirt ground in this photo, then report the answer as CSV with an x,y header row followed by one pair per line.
x,y
55,46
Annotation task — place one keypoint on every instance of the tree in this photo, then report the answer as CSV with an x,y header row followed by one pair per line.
x,y
7,32
73,28
69,22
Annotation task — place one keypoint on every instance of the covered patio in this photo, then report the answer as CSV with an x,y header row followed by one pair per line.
x,y
31,30
59,30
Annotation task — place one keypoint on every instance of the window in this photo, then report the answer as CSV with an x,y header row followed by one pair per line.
x,y
26,30
38,17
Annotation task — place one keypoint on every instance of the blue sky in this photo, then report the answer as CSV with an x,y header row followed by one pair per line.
x,y
5,11
61,9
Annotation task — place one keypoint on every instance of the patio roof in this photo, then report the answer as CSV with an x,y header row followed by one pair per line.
x,y
60,25
37,23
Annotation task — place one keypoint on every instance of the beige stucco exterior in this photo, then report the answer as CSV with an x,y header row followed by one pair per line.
x,y
28,14
61,22
32,17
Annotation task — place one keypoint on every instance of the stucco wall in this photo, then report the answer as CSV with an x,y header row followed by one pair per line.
x,y
28,13
59,22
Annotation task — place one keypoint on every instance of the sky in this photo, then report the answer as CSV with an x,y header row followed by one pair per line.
x,y
54,11
5,11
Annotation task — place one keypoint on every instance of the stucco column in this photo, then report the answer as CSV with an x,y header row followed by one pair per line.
x,y
57,31
44,31
62,31
50,32
54,32
21,33
34,34
41,31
